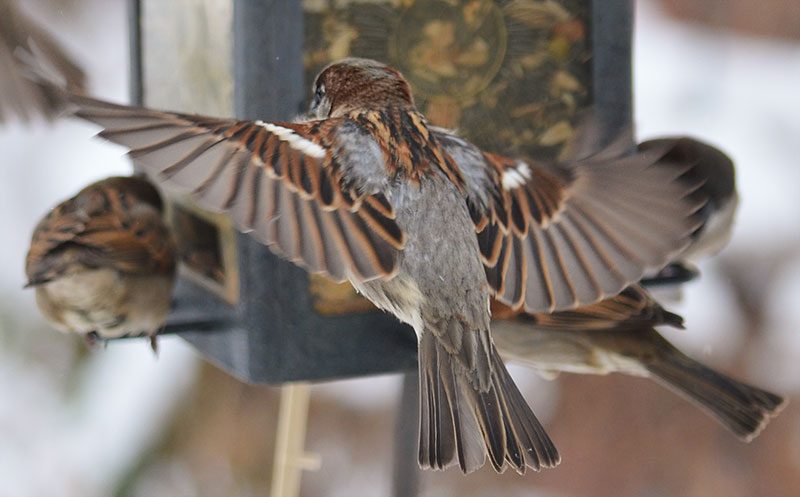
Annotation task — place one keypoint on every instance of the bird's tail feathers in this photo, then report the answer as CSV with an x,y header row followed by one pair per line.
x,y
743,409
460,423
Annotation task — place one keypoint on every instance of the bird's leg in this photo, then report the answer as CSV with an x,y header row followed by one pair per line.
x,y
91,339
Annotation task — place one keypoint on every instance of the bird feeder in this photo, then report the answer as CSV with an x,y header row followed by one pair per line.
x,y
510,75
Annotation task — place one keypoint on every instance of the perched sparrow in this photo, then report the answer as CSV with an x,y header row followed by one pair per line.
x,y
714,172
103,262
617,336
21,36
427,227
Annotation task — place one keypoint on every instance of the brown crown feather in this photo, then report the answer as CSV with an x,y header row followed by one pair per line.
x,y
359,84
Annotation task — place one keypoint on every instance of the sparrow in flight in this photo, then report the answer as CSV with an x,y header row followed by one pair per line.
x,y
22,38
428,227
103,262
617,335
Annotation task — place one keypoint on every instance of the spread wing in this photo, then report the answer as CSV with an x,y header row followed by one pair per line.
x,y
287,183
19,95
556,238
101,227
633,308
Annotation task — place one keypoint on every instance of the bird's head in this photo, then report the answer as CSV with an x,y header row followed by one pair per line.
x,y
358,84
136,186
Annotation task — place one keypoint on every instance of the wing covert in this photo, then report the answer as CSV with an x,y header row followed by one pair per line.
x,y
633,308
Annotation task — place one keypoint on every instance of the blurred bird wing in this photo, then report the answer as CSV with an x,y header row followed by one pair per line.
x,y
556,238
716,172
19,95
713,166
281,181
48,48
101,229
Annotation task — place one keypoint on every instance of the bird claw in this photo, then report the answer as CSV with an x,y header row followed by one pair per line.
x,y
91,339
154,344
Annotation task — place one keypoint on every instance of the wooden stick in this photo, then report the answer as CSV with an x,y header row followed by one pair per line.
x,y
290,456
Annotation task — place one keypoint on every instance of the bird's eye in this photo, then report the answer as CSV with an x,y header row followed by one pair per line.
x,y
318,94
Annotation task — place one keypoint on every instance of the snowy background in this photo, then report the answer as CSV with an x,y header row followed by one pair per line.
x,y
120,422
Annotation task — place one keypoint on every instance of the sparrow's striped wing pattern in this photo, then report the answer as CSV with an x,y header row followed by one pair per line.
x,y
632,308
556,238
20,97
281,181
100,227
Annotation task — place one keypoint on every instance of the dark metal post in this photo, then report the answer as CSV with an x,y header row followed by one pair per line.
x,y
612,77
268,41
405,477
135,51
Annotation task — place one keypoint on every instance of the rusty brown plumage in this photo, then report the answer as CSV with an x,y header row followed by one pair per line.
x,y
408,147
357,83
103,262
113,223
